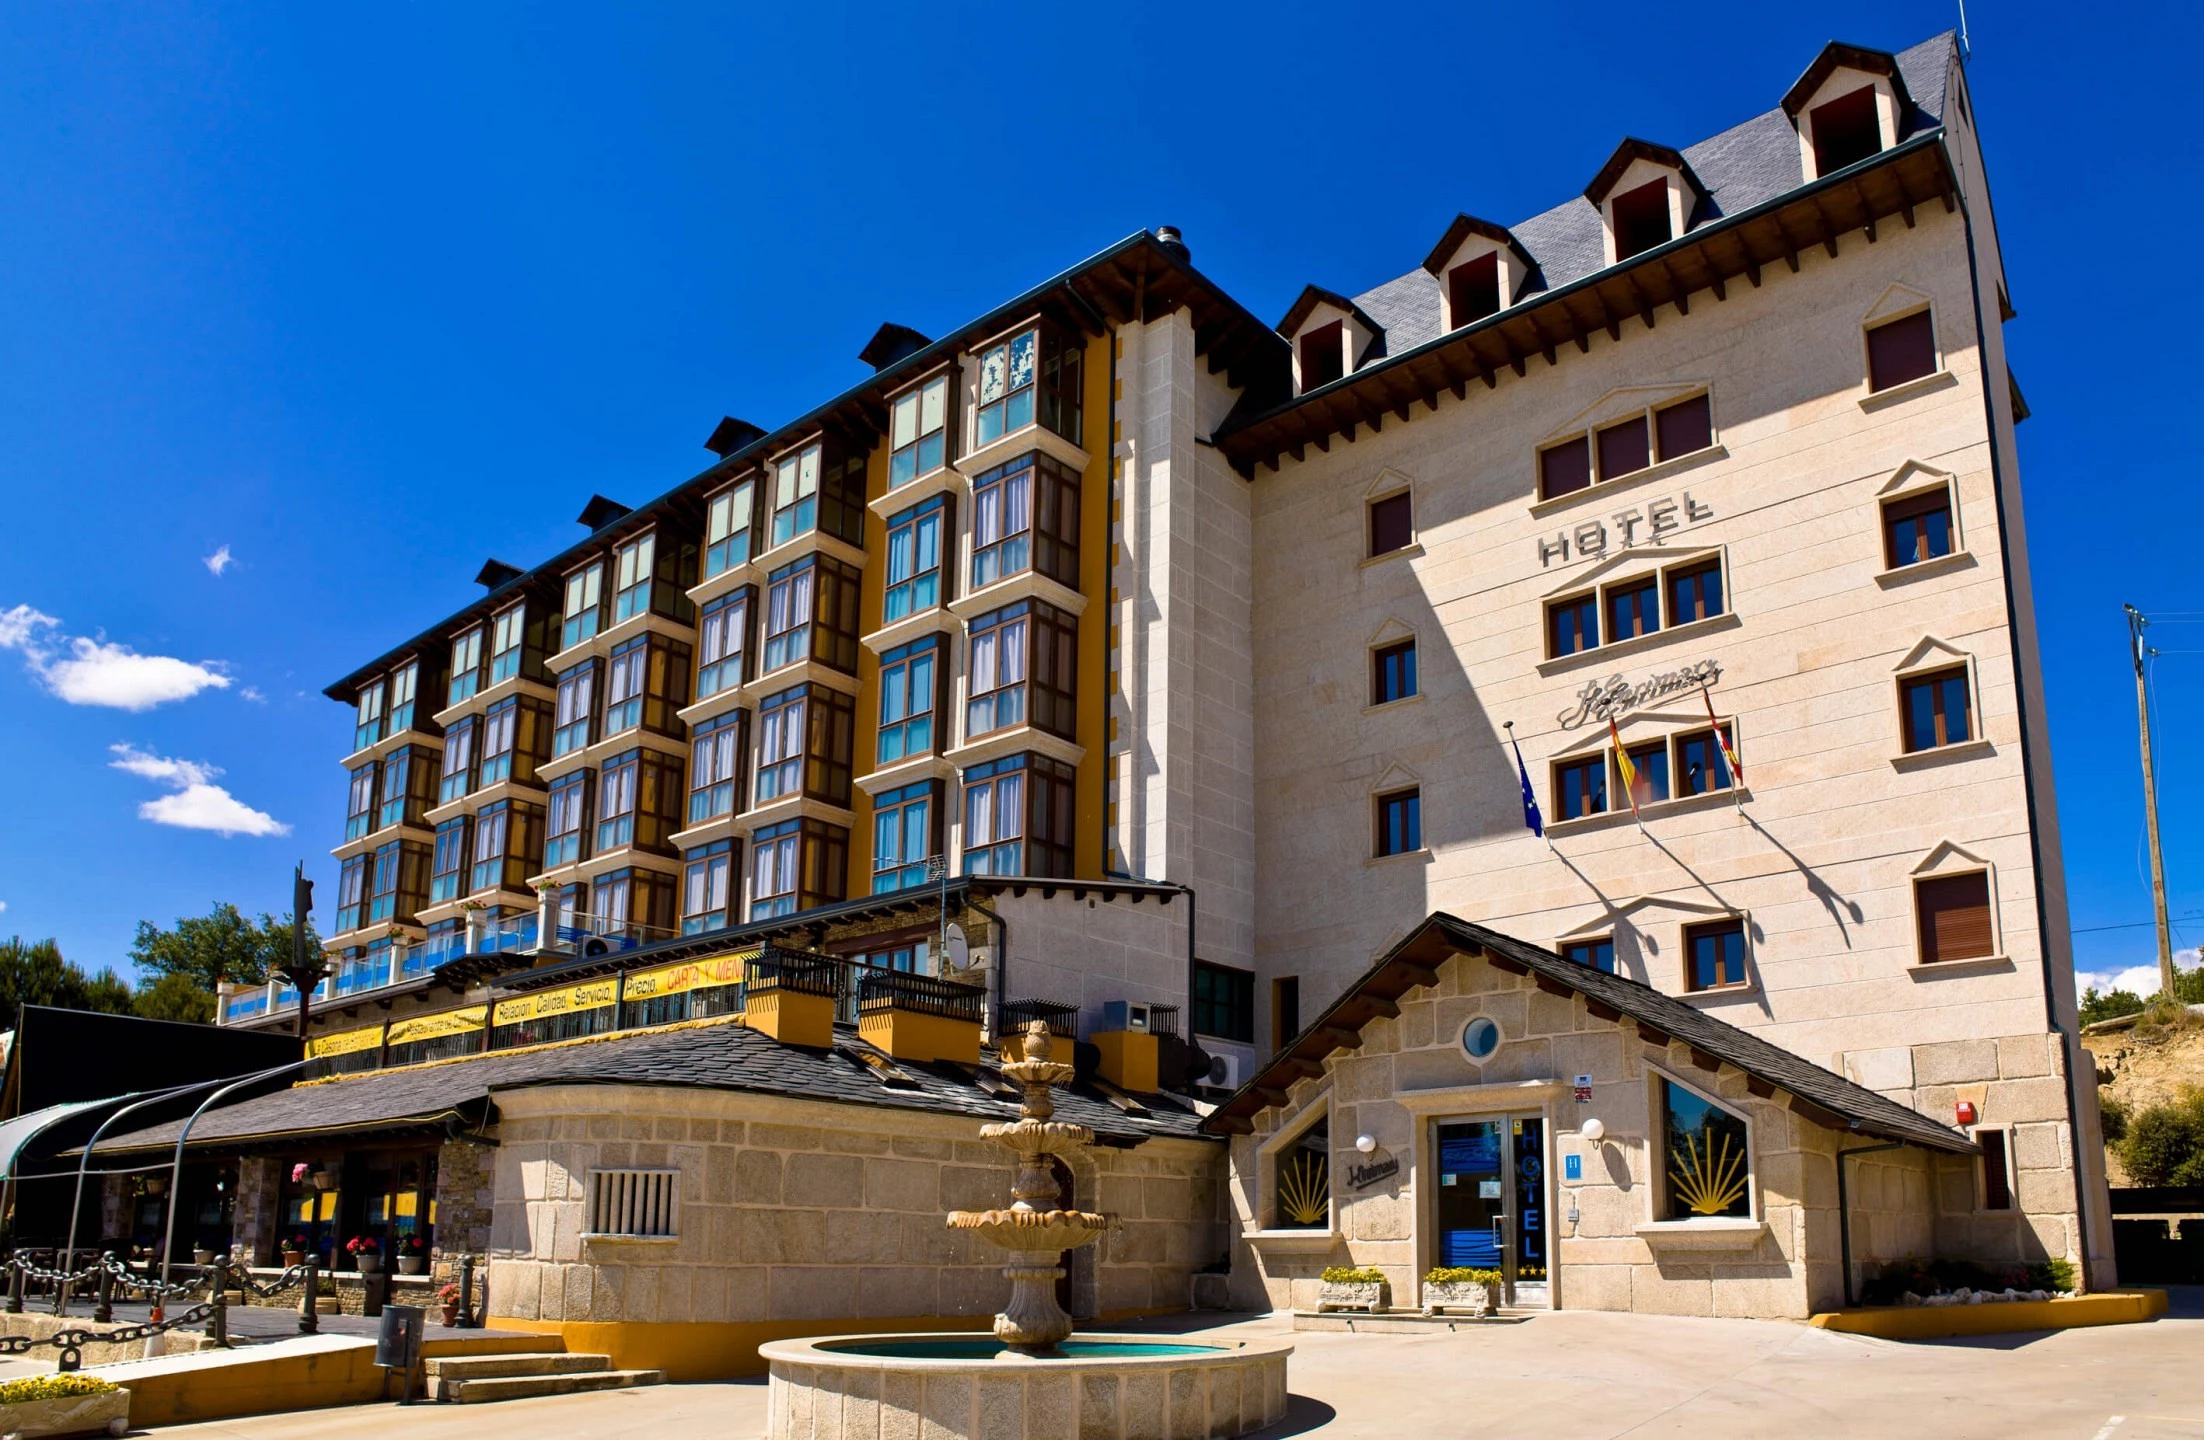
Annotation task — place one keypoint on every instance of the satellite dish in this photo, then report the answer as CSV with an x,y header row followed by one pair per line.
x,y
954,951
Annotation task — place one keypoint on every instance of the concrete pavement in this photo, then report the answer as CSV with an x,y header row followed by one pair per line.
x,y
1573,1374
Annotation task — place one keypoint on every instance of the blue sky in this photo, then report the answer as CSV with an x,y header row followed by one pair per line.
x,y
355,297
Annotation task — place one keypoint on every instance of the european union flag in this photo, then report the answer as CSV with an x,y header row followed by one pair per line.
x,y
1531,818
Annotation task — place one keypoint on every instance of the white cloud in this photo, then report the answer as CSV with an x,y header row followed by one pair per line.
x,y
98,672
2136,979
219,561
3,907
197,803
252,694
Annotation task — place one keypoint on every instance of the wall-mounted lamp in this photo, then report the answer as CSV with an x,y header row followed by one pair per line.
x,y
1594,1130
1365,1143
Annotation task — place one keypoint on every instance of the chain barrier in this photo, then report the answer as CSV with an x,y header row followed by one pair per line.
x,y
71,1343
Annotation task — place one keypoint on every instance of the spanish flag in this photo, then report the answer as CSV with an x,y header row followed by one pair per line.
x,y
1722,738
1622,763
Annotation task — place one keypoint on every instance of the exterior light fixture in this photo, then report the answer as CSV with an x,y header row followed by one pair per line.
x,y
1593,1130
1365,1143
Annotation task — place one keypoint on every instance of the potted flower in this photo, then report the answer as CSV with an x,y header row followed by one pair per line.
x,y
322,1178
71,1404
366,1252
203,1253
413,1255
1456,1287
1347,1288
294,1250
448,1298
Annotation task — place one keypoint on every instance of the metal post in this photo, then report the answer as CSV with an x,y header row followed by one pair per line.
x,y
218,1329
76,1207
176,1166
103,1309
2135,624
15,1284
308,1322
466,1293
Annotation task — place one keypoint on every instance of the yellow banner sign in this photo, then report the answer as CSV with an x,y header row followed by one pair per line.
x,y
344,1042
594,995
444,1022
689,975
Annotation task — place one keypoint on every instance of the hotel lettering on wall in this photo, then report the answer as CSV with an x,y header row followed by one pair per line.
x,y
1602,700
1649,526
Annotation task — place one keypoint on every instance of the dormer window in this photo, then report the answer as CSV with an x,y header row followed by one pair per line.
x,y
1845,131
1031,376
918,430
1323,355
1848,106
1641,219
1480,267
1473,290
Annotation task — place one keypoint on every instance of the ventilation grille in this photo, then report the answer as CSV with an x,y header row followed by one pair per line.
x,y
633,1202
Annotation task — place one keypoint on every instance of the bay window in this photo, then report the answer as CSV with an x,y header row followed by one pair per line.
x,y
651,574
405,685
359,807
906,833
466,678
1025,516
728,520
910,698
369,728
707,886
409,781
819,488
804,744
646,681
566,828
459,745
715,766
632,903
585,604
448,862
400,884
918,428
638,800
508,836
351,892
1018,817
1031,376
510,652
811,614
514,732
914,559
723,643
1023,667
797,865
576,707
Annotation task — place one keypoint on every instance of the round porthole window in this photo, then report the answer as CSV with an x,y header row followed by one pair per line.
x,y
1480,1037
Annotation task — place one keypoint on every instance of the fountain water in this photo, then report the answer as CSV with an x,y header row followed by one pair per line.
x,y
1031,1378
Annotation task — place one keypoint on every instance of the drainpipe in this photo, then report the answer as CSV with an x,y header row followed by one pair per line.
x,y
1001,966
1844,1210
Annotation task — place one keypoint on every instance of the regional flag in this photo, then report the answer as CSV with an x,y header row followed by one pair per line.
x,y
1622,763
1722,738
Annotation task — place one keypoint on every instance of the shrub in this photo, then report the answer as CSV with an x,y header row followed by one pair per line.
x,y
1460,1275
2164,1144
52,1387
1344,1275
2115,1118
2055,1275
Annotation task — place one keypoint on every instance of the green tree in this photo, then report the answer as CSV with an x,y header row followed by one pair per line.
x,y
33,972
2164,1144
220,945
2110,1005
173,997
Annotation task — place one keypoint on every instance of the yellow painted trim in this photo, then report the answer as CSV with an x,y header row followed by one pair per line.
x,y
1130,1059
706,1350
791,1017
566,1000
921,1039
345,1042
466,1020
1937,1322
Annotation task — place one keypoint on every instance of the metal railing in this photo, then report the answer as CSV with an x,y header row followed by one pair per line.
x,y
881,990
1062,1020
795,971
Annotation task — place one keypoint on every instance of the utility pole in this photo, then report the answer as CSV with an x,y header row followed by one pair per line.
x,y
2136,623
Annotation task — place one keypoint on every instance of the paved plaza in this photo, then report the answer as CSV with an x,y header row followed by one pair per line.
x,y
1574,1374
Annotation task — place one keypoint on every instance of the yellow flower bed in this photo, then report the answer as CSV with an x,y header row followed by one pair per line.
x,y
52,1387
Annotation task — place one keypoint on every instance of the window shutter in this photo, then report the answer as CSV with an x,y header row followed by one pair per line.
x,y
1954,915
1900,351
1473,290
1686,426
1565,468
1323,358
1392,525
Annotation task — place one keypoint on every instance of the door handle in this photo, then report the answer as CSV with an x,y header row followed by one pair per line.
x,y
1500,1231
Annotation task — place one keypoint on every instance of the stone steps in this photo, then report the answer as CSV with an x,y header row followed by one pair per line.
x,y
485,1367
522,1387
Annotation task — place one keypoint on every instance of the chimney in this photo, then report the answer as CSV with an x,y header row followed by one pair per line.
x,y
600,512
1168,237
494,574
891,344
731,435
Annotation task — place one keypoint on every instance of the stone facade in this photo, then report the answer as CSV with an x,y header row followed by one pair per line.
x,y
256,1224
802,1211
1610,1248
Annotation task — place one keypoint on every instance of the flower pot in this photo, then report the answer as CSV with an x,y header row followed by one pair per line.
x,y
369,1264
156,1185
1352,1295
202,1257
293,1257
451,1313
323,1180
412,1264
1466,1295
107,1414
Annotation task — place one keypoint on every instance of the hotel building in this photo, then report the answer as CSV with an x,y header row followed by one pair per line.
x,y
1119,660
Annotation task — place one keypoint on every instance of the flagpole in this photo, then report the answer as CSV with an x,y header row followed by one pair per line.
x,y
1737,774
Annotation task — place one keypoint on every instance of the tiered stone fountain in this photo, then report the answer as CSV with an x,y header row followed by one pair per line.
x,y
1030,1378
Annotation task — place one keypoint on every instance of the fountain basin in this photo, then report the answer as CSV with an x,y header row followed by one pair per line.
x,y
872,1387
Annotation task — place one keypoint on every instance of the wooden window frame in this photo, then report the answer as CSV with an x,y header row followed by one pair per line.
x,y
454,841
723,648
895,684
1583,453
1408,673
1891,510
1575,942
719,750
1722,926
910,460
467,664
1057,370
1934,675
894,807
696,866
908,528
574,793
1596,764
818,876
1045,643
582,598
363,800
575,712
1378,511
1926,947
1230,1007
1044,810
461,744
727,543
1383,803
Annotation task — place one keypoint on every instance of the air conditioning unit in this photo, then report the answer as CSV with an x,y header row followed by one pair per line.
x,y
1124,1015
1224,1072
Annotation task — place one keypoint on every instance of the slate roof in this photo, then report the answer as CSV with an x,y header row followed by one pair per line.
x,y
727,1056
1742,167
1823,1095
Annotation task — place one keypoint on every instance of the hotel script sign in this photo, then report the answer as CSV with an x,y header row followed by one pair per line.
x,y
1602,700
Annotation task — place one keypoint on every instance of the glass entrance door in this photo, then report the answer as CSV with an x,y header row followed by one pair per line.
x,y
1491,1206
